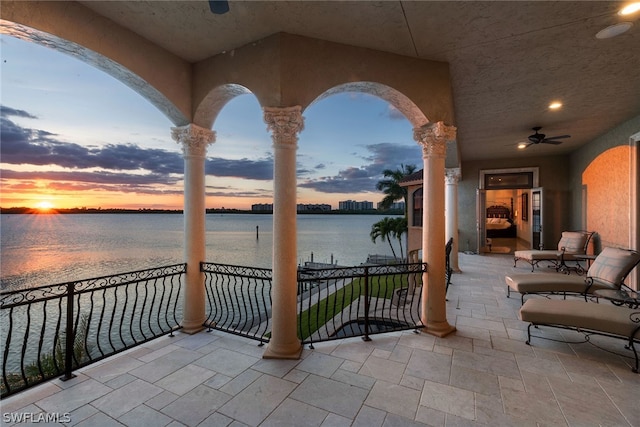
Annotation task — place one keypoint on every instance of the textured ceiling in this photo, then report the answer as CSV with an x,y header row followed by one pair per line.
x,y
508,60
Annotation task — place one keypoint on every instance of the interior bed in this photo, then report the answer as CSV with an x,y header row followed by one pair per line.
x,y
499,222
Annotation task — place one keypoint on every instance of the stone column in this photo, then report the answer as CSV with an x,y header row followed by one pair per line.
x,y
194,141
433,139
284,124
452,176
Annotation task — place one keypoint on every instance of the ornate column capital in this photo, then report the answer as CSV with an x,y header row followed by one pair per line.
x,y
433,137
194,139
284,123
452,175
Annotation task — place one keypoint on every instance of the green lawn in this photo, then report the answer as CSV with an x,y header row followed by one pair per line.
x,y
320,313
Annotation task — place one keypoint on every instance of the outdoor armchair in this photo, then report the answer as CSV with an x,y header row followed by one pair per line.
x,y
608,271
571,243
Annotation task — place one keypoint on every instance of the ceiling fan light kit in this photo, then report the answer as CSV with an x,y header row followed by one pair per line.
x,y
219,7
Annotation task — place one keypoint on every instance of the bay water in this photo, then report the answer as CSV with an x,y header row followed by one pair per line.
x,y
45,249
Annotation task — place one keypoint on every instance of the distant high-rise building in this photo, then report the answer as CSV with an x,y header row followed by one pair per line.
x,y
397,206
300,207
352,205
314,207
262,207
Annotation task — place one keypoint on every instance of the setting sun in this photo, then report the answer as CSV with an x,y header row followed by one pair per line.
x,y
44,206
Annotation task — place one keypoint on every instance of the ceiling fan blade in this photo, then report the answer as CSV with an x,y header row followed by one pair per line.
x,y
534,139
558,137
219,7
540,138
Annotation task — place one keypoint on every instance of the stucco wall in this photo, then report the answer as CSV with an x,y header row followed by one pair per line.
x,y
600,185
554,178
285,70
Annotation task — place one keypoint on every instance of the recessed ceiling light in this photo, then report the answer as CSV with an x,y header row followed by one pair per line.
x,y
522,145
630,8
555,105
614,30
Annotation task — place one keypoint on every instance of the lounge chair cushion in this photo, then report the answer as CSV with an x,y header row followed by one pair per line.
x,y
613,264
580,314
551,282
536,255
573,242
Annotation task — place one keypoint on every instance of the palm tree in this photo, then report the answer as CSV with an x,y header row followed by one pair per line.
x,y
390,186
384,230
398,228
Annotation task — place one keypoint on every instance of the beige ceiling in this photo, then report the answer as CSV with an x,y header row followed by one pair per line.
x,y
508,60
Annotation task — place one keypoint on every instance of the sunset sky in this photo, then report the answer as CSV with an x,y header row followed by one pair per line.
x,y
73,136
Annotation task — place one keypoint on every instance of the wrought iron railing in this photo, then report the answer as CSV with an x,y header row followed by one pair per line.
x,y
333,303
52,330
238,300
358,301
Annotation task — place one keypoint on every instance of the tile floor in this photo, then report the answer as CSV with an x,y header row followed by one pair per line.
x,y
484,374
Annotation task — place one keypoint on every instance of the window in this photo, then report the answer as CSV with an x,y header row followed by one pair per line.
x,y
417,207
499,181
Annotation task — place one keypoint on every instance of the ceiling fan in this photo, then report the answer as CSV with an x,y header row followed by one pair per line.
x,y
541,138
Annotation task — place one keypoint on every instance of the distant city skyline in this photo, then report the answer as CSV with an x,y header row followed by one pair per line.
x,y
73,136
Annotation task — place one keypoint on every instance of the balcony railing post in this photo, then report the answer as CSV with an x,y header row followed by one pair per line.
x,y
366,305
70,335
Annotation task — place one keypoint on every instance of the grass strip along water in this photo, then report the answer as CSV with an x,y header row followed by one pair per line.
x,y
318,314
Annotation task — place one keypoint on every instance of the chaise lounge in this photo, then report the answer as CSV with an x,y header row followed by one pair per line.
x,y
571,243
590,318
608,271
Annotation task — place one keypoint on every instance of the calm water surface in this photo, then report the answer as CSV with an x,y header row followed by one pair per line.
x,y
46,249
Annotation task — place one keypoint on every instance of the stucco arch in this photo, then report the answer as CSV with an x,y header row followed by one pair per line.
x,y
285,70
207,111
397,99
401,102
160,77
211,105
